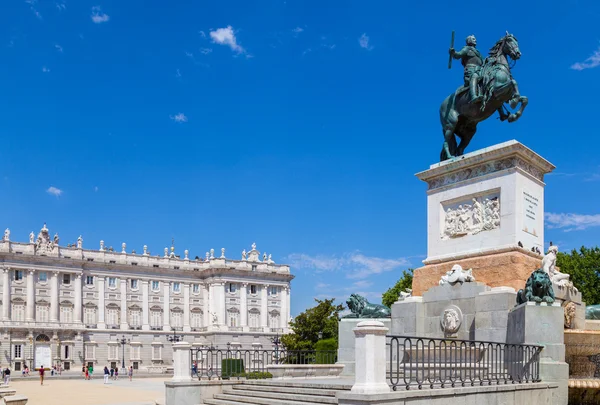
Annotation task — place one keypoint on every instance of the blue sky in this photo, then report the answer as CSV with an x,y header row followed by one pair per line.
x,y
297,125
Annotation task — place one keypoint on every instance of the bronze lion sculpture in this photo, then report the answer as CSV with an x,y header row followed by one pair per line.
x,y
361,308
537,289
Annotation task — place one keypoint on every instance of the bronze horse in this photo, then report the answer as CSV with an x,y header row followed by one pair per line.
x,y
460,117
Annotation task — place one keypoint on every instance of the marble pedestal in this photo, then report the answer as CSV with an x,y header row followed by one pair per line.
x,y
347,341
481,207
542,324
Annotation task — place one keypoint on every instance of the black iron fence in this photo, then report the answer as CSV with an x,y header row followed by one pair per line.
x,y
231,363
437,363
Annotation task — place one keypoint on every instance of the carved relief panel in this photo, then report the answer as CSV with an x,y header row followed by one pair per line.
x,y
471,216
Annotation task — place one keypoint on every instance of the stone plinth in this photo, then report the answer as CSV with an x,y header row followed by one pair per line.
x,y
510,268
346,339
483,206
542,324
370,354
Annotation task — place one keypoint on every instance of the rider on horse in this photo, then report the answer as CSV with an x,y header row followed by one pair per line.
x,y
472,61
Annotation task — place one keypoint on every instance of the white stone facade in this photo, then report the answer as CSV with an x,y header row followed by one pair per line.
x,y
485,201
71,304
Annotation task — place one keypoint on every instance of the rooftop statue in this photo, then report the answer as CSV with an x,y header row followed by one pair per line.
x,y
488,84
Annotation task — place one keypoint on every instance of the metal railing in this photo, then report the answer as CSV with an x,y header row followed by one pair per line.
x,y
416,362
220,363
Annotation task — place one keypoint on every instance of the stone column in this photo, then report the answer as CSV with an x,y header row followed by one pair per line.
x,y
78,309
370,358
283,300
166,306
186,308
244,306
264,306
101,303
206,306
220,302
54,297
145,305
30,314
182,366
5,294
124,322
289,305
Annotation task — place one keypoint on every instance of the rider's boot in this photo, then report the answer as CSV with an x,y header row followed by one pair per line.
x,y
475,98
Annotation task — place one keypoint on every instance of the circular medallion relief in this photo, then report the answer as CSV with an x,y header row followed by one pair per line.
x,y
451,319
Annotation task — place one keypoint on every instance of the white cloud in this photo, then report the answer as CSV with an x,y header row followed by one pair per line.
x,y
61,6
205,51
571,222
355,265
591,62
226,36
58,48
96,189
98,16
298,30
363,41
57,192
181,118
177,74
202,34
45,69
32,4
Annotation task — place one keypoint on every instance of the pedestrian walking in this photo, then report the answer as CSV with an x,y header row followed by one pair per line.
x,y
112,373
116,373
106,375
130,373
87,373
84,371
90,371
42,371
6,376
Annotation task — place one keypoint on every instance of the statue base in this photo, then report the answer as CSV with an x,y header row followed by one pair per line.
x,y
485,211
347,340
511,268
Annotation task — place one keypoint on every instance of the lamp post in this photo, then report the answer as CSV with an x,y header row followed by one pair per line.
x,y
58,348
276,341
174,338
123,342
320,335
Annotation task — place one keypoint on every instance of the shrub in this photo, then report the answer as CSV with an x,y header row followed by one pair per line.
x,y
231,367
258,375
326,351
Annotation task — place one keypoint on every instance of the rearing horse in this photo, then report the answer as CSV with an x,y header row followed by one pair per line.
x,y
460,117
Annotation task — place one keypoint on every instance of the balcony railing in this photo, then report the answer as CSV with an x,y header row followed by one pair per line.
x,y
437,363
217,363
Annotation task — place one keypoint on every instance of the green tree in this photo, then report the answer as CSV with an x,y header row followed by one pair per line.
x,y
584,268
323,317
391,295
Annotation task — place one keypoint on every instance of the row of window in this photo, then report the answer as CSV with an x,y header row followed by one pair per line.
x,y
133,283
18,352
114,352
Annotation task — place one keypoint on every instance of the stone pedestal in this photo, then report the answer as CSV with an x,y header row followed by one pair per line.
x,y
480,208
346,341
370,358
182,366
542,324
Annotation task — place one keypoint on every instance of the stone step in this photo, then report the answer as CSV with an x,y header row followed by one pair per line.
x,y
275,394
286,390
225,402
297,384
260,401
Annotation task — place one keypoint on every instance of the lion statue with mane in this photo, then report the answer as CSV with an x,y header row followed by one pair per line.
x,y
361,308
537,289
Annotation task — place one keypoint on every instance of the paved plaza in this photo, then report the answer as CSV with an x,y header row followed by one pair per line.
x,y
143,391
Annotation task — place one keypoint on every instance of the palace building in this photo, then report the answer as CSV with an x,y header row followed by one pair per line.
x,y
74,306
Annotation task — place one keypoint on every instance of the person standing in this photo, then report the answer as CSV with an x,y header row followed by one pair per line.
x,y
116,373
106,375
42,374
84,371
91,371
6,376
130,373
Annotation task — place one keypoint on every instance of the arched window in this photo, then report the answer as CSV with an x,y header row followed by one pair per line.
x,y
42,311
18,310
66,312
155,317
254,318
196,316
135,316
233,317
274,319
176,318
112,315
89,315
41,338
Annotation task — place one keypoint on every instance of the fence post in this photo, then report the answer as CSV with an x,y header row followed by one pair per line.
x,y
182,366
370,358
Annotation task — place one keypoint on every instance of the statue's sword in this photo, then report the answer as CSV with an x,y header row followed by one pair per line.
x,y
451,46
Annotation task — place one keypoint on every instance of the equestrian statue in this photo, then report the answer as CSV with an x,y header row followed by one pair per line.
x,y
488,84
